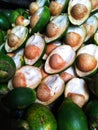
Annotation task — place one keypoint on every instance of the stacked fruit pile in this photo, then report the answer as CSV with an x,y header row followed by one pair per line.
x,y
49,65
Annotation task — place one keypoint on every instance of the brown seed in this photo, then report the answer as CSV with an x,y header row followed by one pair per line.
x,y
89,29
52,30
19,80
8,32
72,39
55,8
11,54
19,20
79,11
94,4
66,76
44,74
43,93
33,20
13,40
31,51
56,61
50,47
86,62
77,98
33,7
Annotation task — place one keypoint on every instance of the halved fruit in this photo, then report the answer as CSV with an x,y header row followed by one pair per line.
x,y
50,47
16,38
96,37
76,89
79,11
7,68
58,6
91,25
75,36
26,76
43,2
87,60
96,14
56,28
94,5
35,5
18,58
39,19
68,74
60,59
21,20
50,89
34,49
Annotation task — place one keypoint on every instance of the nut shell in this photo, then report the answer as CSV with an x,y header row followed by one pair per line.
x,y
55,8
43,93
33,20
31,51
52,29
79,11
72,39
56,61
19,20
33,7
13,40
77,98
50,47
86,62
19,80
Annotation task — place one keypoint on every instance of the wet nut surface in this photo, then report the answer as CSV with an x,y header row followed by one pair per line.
x,y
56,61
50,47
19,20
33,7
72,39
55,8
86,62
52,29
13,40
78,11
31,51
33,20
19,80
43,92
